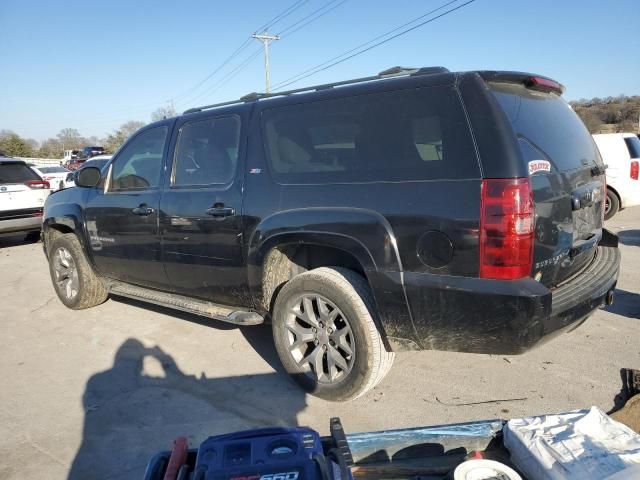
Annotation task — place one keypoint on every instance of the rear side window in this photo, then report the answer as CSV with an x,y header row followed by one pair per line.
x,y
545,124
16,173
207,152
415,134
633,144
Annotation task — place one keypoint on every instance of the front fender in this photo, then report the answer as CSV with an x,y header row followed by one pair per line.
x,y
63,212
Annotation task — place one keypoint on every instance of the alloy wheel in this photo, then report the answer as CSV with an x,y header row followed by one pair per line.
x,y
319,338
67,280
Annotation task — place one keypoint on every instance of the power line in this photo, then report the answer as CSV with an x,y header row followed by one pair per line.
x,y
359,49
224,80
282,15
307,19
288,31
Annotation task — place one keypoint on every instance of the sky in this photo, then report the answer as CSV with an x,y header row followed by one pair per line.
x,y
94,65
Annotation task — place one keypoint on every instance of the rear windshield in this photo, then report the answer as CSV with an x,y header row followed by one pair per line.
x,y
633,144
16,173
413,134
547,127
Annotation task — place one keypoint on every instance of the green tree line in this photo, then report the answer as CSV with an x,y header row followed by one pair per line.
x,y
13,145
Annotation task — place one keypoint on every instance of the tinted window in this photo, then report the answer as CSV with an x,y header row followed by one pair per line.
x,y
633,144
207,152
548,126
16,173
416,134
139,164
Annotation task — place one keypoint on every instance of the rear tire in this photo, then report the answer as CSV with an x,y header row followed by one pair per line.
x,y
612,205
335,353
74,281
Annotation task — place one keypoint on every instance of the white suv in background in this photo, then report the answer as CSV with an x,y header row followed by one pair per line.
x,y
22,196
621,153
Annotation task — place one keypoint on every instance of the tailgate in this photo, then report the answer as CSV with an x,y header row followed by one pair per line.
x,y
567,178
19,197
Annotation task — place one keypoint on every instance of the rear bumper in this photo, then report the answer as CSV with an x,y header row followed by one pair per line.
x,y
18,225
505,317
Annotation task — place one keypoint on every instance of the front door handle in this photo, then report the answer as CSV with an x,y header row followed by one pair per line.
x,y
142,210
220,211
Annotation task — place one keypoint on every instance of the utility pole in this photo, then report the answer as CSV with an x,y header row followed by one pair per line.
x,y
265,38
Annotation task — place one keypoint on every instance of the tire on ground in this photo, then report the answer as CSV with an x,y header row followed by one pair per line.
x,y
350,292
613,200
91,290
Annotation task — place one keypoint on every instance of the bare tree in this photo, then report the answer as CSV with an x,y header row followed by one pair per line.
x,y
115,140
163,112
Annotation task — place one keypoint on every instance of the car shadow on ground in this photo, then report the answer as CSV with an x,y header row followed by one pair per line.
x,y
629,237
626,304
259,336
131,414
17,240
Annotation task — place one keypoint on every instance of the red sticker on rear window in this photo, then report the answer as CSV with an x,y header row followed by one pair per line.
x,y
536,166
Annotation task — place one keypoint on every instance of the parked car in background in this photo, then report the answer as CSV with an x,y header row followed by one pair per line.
x,y
89,152
56,176
621,153
70,155
98,161
419,209
22,196
74,164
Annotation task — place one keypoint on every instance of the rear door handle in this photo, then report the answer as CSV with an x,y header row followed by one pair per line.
x,y
221,211
142,210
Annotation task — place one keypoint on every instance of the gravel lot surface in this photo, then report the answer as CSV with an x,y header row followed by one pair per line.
x,y
94,393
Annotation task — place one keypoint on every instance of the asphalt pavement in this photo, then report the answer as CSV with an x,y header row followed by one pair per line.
x,y
94,393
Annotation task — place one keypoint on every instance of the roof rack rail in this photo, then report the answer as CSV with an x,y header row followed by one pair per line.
x,y
385,74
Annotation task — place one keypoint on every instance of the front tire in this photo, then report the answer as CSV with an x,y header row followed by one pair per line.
x,y
74,281
325,335
612,204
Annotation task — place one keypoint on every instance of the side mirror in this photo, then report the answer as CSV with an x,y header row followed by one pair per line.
x,y
88,177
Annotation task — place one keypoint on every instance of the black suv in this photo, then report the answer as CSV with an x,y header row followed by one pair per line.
x,y
418,209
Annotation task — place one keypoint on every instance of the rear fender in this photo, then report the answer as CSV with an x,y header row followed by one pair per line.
x,y
364,234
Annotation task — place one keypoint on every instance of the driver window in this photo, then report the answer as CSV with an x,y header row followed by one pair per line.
x,y
139,164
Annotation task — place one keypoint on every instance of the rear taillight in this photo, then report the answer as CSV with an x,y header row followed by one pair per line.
x,y
634,169
506,228
35,184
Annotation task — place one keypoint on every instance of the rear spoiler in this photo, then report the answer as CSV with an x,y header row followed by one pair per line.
x,y
529,80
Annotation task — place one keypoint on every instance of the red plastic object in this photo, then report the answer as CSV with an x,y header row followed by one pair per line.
x,y
178,458
634,169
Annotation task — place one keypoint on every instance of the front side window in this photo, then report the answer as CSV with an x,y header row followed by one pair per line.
x,y
139,164
207,152
414,134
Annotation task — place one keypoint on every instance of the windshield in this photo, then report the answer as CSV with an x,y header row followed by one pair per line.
x,y
546,123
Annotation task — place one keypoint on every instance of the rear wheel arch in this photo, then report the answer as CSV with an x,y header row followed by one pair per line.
x,y
287,260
